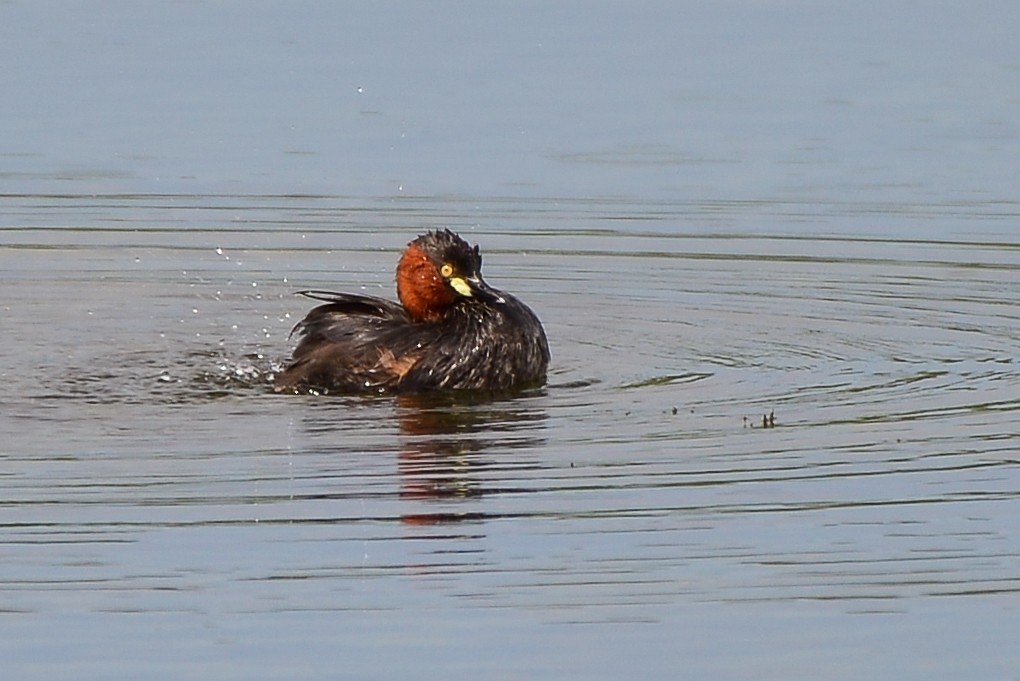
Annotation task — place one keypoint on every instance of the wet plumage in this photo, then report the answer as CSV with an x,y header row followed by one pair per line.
x,y
451,331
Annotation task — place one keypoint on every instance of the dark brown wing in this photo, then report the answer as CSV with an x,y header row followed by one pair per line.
x,y
354,343
344,315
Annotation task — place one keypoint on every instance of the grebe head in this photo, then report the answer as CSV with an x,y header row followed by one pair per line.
x,y
436,271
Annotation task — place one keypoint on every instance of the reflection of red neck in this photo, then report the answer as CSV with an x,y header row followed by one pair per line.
x,y
421,290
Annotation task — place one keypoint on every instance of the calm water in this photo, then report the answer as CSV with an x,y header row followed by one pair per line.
x,y
720,212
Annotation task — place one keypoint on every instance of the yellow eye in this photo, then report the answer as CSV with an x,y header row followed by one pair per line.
x,y
446,270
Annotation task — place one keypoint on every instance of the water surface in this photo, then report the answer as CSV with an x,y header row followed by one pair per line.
x,y
775,251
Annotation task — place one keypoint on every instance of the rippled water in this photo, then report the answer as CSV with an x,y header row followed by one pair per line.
x,y
644,496
775,249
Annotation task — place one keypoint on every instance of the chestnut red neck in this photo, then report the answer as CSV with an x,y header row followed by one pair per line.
x,y
420,288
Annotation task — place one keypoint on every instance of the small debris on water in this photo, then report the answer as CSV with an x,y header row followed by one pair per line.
x,y
767,421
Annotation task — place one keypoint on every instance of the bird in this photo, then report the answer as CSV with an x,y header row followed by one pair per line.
x,y
450,331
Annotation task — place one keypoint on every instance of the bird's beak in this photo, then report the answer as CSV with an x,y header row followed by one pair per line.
x,y
475,287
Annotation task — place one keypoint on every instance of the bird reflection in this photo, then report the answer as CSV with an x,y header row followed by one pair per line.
x,y
447,439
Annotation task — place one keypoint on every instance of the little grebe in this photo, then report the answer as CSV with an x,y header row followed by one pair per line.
x,y
452,331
